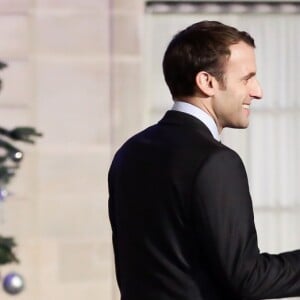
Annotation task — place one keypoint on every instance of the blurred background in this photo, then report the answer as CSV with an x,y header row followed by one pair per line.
x,y
87,73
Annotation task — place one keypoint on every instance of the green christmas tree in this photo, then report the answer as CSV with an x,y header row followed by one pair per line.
x,y
9,163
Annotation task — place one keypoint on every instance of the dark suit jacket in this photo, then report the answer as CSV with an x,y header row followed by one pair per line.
x,y
182,220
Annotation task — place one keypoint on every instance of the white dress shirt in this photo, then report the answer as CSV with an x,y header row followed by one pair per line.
x,y
199,114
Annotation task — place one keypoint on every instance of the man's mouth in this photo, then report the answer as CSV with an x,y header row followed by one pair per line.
x,y
246,106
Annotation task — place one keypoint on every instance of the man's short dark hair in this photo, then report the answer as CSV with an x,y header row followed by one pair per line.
x,y
203,46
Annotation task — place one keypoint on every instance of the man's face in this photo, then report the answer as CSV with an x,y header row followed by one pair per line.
x,y
231,104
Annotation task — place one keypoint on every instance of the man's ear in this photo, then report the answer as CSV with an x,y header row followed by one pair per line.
x,y
206,83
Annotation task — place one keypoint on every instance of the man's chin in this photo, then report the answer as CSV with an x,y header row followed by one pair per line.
x,y
239,126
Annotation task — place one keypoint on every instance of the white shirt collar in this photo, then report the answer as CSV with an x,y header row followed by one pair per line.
x,y
199,114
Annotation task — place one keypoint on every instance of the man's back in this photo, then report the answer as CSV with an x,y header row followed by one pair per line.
x,y
161,251
180,207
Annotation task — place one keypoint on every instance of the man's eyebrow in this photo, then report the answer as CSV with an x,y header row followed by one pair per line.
x,y
248,76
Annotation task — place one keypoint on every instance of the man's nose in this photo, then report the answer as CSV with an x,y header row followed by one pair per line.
x,y
256,91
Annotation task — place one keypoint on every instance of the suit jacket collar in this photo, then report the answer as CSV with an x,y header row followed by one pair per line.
x,y
183,119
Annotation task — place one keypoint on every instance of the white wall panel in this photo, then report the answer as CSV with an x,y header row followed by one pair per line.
x,y
270,159
15,6
17,84
89,5
72,33
80,90
15,31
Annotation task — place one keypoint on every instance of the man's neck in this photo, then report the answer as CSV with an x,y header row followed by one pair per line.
x,y
205,105
198,113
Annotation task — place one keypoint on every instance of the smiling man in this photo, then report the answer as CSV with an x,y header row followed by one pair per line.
x,y
180,206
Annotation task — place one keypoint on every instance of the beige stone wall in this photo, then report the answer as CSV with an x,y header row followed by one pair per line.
x,y
74,73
